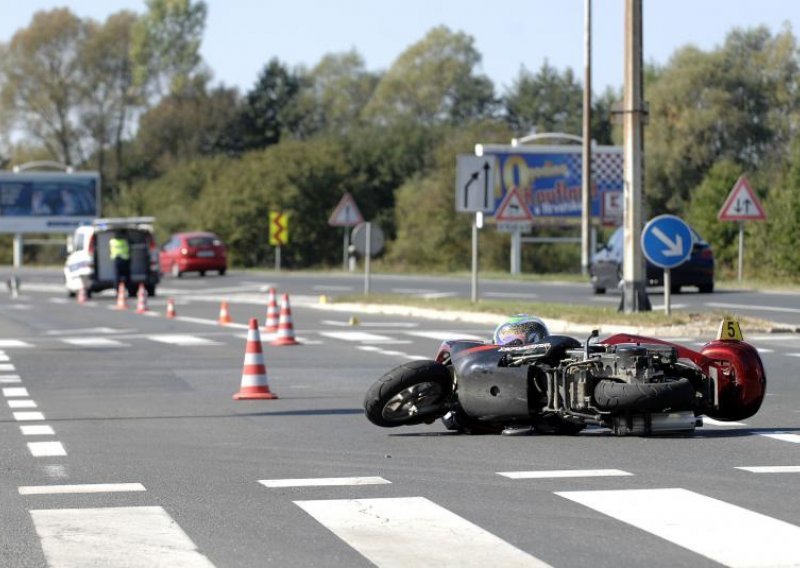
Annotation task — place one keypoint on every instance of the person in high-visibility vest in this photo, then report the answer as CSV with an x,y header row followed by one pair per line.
x,y
121,255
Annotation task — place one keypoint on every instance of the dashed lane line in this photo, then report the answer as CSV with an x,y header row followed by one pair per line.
x,y
81,488
751,307
8,379
15,392
46,449
782,436
563,473
323,482
17,403
28,416
94,342
771,468
184,340
13,343
37,430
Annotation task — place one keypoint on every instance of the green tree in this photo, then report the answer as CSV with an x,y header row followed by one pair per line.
x,y
108,99
166,45
738,102
270,108
434,81
198,122
40,82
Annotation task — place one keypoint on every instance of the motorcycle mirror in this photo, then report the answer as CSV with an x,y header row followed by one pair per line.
x,y
595,333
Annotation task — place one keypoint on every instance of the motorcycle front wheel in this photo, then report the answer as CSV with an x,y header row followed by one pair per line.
x,y
412,393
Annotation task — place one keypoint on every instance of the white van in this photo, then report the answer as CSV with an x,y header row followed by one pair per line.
x,y
89,263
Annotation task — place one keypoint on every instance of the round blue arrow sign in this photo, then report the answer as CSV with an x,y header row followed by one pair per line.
x,y
667,241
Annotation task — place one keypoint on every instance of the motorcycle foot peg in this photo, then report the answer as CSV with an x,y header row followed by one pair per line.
x,y
517,431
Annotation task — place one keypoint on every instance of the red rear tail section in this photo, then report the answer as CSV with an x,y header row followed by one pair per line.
x,y
742,382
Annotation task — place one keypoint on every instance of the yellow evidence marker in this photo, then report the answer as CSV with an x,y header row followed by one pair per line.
x,y
729,330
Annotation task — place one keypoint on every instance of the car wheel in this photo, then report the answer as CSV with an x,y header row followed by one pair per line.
x,y
222,271
599,290
176,271
675,289
707,288
202,273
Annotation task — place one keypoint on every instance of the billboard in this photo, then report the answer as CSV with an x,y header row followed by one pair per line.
x,y
48,202
548,179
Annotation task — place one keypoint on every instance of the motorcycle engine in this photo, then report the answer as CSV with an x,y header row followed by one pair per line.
x,y
636,362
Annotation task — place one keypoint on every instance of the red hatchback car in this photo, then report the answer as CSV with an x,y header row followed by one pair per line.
x,y
196,251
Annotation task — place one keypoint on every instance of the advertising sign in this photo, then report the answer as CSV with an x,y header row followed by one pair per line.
x,y
46,202
549,180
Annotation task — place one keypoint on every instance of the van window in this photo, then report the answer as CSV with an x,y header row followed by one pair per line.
x,y
79,240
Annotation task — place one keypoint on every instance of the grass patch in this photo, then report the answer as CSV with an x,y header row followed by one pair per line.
x,y
567,312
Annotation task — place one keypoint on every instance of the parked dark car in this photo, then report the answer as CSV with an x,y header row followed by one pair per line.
x,y
698,270
196,251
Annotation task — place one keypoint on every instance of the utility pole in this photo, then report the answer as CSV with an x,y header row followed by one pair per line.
x,y
586,168
634,291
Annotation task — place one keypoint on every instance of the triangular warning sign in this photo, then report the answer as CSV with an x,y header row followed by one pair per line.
x,y
742,204
346,213
513,208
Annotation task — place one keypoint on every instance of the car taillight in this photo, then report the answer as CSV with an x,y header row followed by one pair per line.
x,y
706,254
184,251
90,248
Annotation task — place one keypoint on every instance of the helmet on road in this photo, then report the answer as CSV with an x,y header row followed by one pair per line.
x,y
520,329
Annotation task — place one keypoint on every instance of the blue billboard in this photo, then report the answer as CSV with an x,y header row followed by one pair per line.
x,y
548,178
47,201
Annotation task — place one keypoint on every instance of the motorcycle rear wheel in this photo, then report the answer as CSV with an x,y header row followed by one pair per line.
x,y
644,397
412,393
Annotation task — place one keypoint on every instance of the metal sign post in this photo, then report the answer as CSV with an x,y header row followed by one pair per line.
x,y
346,214
367,258
477,223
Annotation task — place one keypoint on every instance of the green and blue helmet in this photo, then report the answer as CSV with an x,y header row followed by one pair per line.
x,y
520,329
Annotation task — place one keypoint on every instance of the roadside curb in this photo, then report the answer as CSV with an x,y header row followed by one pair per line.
x,y
554,325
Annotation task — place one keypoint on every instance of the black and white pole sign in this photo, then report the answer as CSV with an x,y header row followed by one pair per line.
x,y
475,182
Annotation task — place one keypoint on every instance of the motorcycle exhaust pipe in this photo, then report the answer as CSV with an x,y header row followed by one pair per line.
x,y
657,423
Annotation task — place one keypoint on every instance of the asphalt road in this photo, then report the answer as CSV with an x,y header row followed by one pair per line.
x,y
145,403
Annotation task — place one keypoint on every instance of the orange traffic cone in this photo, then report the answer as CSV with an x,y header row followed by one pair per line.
x,y
224,315
82,294
171,308
141,299
122,297
285,325
271,324
254,374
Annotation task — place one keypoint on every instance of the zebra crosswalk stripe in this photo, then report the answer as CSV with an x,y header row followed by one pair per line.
x,y
409,531
114,536
666,513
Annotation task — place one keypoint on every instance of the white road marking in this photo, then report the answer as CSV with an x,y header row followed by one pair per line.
x,y
332,288
46,449
56,471
771,468
520,295
10,343
410,531
183,340
15,391
783,437
84,488
764,350
4,358
357,336
443,335
16,403
713,422
38,430
437,295
115,537
28,416
552,474
793,354
5,367
60,301
87,330
10,379
210,322
663,512
749,307
417,357
323,481
93,342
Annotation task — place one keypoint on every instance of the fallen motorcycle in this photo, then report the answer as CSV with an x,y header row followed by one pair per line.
x,y
630,384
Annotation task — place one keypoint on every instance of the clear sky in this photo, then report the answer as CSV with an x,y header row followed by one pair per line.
x,y
242,35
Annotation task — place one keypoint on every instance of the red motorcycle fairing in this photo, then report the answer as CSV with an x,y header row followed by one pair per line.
x,y
740,376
